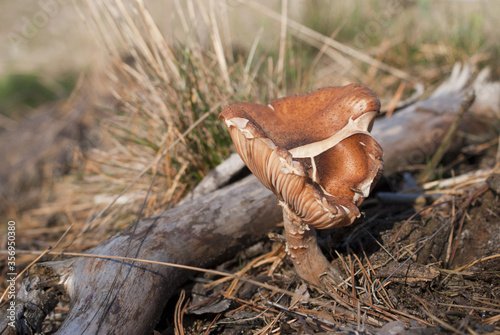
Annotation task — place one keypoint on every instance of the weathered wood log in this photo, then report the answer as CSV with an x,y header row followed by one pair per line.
x,y
113,297
415,132
217,178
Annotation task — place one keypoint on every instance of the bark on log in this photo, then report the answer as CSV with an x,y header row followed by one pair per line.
x,y
111,297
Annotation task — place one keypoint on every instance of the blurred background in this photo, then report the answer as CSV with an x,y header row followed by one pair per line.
x,y
46,44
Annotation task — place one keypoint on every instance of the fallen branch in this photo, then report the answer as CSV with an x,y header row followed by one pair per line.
x,y
118,297
413,134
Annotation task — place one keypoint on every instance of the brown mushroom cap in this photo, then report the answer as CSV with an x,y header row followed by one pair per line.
x,y
314,151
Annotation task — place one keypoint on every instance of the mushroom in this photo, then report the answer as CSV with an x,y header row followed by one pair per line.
x,y
315,152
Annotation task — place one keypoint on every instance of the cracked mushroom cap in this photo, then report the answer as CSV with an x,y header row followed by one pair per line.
x,y
314,151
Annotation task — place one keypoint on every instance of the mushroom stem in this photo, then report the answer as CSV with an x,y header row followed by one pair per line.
x,y
310,263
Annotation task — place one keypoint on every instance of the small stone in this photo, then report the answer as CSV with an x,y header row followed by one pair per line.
x,y
392,328
493,182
